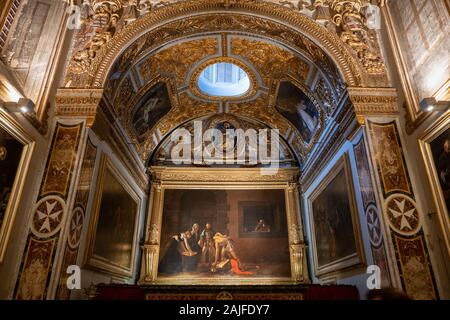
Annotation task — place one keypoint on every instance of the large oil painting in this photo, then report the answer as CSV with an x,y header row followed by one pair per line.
x,y
224,234
334,222
114,226
296,106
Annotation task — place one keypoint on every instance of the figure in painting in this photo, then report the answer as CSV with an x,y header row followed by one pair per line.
x,y
194,241
226,257
326,230
295,105
308,120
207,245
152,109
262,226
179,256
3,153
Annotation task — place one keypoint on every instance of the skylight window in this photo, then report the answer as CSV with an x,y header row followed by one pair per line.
x,y
223,79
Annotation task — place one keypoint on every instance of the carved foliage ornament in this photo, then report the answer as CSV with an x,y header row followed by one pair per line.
x,y
354,32
99,24
94,52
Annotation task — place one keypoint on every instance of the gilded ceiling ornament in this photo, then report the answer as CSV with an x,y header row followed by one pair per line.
x,y
271,61
326,96
197,24
259,109
178,59
137,53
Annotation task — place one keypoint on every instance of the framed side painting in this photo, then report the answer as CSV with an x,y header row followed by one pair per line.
x,y
435,147
16,149
335,231
114,223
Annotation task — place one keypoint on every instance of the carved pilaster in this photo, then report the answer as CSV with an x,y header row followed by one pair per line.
x,y
299,269
149,270
150,250
78,104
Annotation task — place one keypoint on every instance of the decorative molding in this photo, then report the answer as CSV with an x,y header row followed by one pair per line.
x,y
189,11
218,175
354,32
373,102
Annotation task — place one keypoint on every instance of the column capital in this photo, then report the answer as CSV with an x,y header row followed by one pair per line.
x,y
75,103
373,102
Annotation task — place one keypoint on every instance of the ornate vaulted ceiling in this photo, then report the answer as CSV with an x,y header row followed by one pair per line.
x,y
162,52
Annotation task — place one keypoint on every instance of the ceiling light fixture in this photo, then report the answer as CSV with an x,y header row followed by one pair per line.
x,y
431,104
24,105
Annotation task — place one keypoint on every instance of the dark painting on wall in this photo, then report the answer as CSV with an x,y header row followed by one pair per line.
x,y
295,106
334,222
115,231
440,147
262,219
202,235
153,108
10,156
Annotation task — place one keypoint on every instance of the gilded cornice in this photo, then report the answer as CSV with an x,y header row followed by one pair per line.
x,y
169,175
79,103
373,102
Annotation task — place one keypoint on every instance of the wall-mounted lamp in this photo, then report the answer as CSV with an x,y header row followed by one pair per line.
x,y
24,105
431,104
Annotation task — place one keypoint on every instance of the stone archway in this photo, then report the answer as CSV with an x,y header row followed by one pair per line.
x,y
183,19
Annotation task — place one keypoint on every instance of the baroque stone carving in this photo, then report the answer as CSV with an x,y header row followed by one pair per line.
x,y
100,20
153,234
354,32
194,175
108,52
294,234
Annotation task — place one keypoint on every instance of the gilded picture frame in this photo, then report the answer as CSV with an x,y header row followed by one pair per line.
x,y
14,129
357,258
439,128
93,259
415,115
168,178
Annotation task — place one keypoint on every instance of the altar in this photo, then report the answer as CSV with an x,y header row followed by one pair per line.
x,y
211,293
